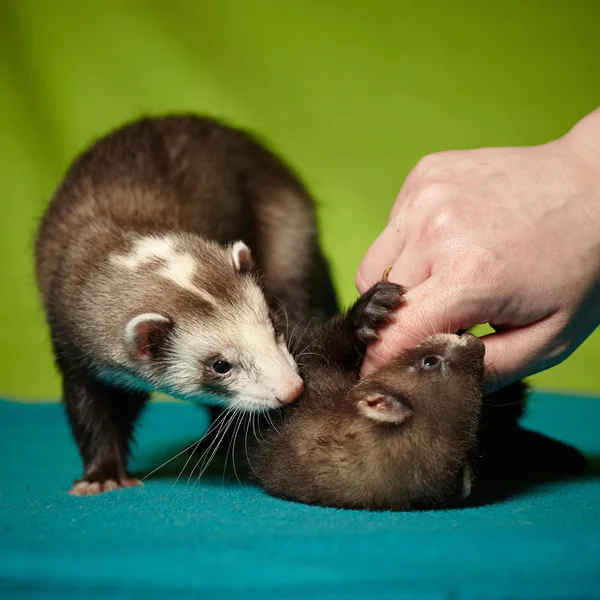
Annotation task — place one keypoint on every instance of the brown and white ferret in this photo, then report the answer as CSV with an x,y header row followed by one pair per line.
x,y
169,259
411,436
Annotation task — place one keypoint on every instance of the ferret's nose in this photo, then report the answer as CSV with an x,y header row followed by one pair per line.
x,y
472,344
292,392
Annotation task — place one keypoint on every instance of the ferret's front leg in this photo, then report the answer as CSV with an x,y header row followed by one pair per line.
x,y
102,419
343,340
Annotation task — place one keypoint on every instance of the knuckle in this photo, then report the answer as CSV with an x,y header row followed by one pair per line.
x,y
433,191
441,222
425,165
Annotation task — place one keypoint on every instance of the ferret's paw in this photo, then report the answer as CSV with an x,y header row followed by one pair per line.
x,y
93,488
375,307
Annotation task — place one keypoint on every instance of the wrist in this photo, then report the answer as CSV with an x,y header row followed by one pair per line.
x,y
580,148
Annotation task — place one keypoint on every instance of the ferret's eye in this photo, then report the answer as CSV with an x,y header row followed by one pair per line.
x,y
430,362
221,367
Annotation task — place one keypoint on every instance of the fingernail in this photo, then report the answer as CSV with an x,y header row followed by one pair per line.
x,y
386,273
366,368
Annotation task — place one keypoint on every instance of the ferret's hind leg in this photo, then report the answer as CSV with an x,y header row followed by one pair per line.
x,y
102,419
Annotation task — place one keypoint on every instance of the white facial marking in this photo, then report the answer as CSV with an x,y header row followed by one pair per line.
x,y
179,266
263,369
180,269
145,249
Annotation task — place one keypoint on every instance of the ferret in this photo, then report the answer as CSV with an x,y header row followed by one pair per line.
x,y
171,258
413,435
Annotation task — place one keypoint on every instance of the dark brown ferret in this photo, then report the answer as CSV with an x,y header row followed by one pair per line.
x,y
411,436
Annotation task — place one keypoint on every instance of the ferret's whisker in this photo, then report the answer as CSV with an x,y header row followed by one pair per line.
x,y
215,441
415,333
271,423
493,404
255,424
284,311
267,424
303,333
426,323
246,445
252,417
291,339
187,461
310,353
211,457
208,431
232,444
312,343
194,445
227,455
173,458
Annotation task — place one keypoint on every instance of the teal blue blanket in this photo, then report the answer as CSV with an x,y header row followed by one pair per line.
x,y
223,540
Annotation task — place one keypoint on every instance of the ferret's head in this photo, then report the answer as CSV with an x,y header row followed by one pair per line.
x,y
439,382
402,438
214,338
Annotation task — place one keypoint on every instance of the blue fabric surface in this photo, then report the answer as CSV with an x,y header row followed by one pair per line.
x,y
220,540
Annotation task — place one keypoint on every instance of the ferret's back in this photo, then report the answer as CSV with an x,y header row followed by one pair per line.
x,y
176,173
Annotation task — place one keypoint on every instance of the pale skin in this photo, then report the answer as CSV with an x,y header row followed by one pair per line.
x,y
505,236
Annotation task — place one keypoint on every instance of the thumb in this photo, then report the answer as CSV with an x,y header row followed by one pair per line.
x,y
382,254
512,354
426,310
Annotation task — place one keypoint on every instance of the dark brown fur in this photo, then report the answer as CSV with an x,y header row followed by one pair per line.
x,y
326,451
181,174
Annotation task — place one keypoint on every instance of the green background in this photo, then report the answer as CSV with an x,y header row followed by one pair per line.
x,y
351,93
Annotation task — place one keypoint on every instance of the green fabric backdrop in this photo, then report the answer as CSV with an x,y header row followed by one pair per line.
x,y
352,93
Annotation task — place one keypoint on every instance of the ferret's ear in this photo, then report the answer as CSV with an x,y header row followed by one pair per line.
x,y
384,407
145,335
467,481
241,257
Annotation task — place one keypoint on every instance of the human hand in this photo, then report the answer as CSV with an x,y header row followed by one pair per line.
x,y
505,236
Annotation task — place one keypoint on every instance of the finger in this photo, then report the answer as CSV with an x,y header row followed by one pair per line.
x,y
381,255
410,270
513,354
427,309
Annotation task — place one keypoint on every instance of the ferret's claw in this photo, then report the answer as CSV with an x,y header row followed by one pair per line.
x,y
93,488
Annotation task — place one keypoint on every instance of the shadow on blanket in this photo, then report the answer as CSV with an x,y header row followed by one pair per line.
x,y
531,460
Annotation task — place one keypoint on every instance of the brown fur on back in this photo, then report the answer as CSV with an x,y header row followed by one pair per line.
x,y
185,174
